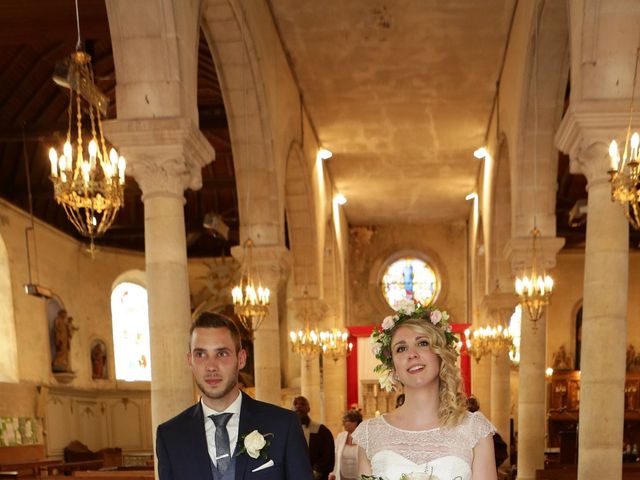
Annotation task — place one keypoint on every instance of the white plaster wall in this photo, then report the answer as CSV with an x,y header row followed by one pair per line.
x,y
81,282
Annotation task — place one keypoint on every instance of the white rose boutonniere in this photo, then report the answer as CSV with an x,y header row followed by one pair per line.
x,y
255,444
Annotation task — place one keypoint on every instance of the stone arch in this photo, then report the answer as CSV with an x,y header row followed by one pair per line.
x,y
8,346
234,53
536,159
303,235
500,270
333,276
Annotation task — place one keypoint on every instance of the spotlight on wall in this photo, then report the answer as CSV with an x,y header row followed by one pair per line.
x,y
325,154
340,199
471,196
37,291
481,153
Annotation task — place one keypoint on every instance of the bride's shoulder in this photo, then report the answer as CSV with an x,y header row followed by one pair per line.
x,y
477,425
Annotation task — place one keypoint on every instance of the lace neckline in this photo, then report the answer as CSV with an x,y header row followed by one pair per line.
x,y
408,431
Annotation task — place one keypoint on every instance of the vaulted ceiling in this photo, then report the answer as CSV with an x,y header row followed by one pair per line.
x,y
400,90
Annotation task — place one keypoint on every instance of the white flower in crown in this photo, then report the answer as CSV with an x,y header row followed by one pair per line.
x,y
435,317
388,322
405,305
386,381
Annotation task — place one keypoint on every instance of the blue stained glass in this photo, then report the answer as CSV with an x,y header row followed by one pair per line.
x,y
409,278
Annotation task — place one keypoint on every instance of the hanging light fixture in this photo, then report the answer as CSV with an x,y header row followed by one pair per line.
x,y
488,340
87,181
625,169
250,302
534,288
305,342
335,343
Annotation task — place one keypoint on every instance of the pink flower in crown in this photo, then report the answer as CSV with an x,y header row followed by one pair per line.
x,y
388,323
435,317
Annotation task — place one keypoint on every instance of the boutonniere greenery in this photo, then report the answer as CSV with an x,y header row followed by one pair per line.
x,y
255,444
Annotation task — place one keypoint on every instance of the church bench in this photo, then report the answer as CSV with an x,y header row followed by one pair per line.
x,y
115,474
629,472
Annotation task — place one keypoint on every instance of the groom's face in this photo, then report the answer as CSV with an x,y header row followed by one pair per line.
x,y
215,364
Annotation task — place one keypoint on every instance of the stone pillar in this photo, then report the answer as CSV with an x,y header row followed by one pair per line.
x,y
165,156
481,385
531,392
272,264
604,318
335,392
500,307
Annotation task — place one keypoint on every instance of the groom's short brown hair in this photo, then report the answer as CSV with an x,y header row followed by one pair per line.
x,y
217,320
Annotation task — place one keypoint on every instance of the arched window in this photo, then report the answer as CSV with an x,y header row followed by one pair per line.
x,y
130,321
409,278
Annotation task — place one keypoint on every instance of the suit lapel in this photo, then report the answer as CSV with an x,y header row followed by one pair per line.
x,y
248,423
199,442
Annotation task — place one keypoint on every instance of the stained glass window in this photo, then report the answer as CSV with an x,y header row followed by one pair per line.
x,y
130,321
409,278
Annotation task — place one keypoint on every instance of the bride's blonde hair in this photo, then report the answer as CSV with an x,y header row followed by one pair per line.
x,y
452,402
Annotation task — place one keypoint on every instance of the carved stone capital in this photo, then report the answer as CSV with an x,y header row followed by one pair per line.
x,y
519,252
586,132
163,155
272,263
308,309
500,306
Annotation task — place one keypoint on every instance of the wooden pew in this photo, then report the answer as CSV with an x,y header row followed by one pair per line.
x,y
115,474
570,472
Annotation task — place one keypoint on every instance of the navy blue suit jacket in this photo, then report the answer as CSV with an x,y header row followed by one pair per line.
x,y
181,445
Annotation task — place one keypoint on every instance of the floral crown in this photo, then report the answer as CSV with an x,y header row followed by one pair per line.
x,y
381,337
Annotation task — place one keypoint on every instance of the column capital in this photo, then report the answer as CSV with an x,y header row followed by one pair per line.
x,y
309,309
519,252
586,131
163,154
273,262
500,306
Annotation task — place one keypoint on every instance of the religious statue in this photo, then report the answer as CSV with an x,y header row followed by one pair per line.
x,y
561,359
63,330
98,360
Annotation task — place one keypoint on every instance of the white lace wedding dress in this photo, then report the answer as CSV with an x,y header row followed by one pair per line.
x,y
442,453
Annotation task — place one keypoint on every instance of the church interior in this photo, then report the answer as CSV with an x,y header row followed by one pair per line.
x,y
344,155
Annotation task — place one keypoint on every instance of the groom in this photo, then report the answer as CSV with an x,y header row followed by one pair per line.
x,y
211,440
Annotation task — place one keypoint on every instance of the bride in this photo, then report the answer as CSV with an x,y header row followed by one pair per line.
x,y
431,436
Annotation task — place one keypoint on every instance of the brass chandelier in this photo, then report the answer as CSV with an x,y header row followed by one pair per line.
x,y
305,342
625,170
335,343
88,180
534,288
488,340
250,298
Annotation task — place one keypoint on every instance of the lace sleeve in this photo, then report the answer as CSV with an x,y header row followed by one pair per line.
x,y
480,427
360,436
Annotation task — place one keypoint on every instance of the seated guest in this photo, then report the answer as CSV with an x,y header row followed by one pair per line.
x,y
346,451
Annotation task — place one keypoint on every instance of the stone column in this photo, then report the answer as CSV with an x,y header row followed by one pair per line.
x,y
165,156
500,307
604,318
272,263
481,385
531,391
335,392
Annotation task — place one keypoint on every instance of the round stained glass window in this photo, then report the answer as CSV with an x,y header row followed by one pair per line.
x,y
409,278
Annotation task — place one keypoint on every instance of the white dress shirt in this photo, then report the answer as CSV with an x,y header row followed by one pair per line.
x,y
232,426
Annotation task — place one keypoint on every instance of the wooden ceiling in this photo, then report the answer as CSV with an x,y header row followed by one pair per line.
x,y
36,34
